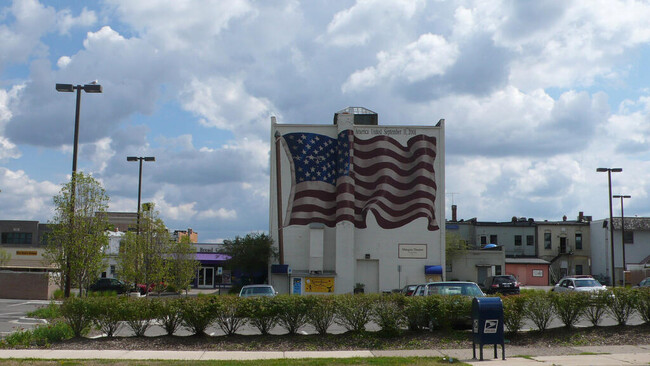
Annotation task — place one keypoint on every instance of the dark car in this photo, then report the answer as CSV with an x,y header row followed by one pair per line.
x,y
109,285
501,284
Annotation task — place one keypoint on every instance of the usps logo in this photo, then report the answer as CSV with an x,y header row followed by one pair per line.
x,y
491,326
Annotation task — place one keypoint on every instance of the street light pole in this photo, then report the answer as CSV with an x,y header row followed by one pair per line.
x,y
611,228
69,88
140,159
622,230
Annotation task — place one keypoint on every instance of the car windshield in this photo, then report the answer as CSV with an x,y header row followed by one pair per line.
x,y
257,291
587,283
467,289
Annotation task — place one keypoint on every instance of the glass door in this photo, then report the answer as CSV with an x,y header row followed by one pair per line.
x,y
205,277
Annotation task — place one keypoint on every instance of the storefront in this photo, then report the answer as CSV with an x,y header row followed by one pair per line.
x,y
211,273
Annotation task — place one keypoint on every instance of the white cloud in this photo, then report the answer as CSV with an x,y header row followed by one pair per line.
x,y
221,213
225,104
358,24
25,198
65,20
430,55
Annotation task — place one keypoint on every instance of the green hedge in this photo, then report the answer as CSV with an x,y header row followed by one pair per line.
x,y
393,313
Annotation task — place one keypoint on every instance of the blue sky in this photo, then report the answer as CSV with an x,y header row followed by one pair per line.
x,y
536,96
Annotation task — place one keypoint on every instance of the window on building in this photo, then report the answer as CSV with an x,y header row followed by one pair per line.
x,y
578,269
112,271
448,267
518,240
483,239
628,237
493,239
578,240
530,240
497,270
16,238
547,240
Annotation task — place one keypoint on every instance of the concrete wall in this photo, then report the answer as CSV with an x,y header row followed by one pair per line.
x,y
26,285
468,266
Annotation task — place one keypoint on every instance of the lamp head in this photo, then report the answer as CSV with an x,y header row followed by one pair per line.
x,y
67,88
93,88
601,170
131,158
149,158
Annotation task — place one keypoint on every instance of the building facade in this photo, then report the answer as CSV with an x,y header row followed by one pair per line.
x,y
566,245
355,204
25,242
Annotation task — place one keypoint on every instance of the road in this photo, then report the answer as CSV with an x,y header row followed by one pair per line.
x,y
13,315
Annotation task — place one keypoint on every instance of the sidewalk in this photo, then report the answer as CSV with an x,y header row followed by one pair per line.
x,y
591,355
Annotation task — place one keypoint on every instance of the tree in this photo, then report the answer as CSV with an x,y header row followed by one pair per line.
x,y
4,257
78,236
141,258
181,263
251,255
455,246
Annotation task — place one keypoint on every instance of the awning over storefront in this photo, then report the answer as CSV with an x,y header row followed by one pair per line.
x,y
211,258
431,270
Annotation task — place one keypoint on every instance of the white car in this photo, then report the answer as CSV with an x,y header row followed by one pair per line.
x,y
257,290
578,284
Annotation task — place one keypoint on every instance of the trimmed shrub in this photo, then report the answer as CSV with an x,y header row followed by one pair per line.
x,y
570,306
139,313
643,303
230,316
455,311
415,312
387,312
597,307
77,315
622,304
320,312
353,312
261,312
169,315
433,316
513,312
18,339
107,312
539,309
291,312
198,313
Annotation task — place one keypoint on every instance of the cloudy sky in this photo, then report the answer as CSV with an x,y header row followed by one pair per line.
x,y
536,95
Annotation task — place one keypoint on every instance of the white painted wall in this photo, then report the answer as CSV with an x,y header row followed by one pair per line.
x,y
344,246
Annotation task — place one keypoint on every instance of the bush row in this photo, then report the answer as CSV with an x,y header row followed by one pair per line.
x,y
391,313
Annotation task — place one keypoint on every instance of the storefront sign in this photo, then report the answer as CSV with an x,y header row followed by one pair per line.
x,y
412,251
26,252
319,284
538,273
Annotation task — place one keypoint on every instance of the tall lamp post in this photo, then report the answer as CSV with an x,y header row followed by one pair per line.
x,y
622,230
611,229
69,88
140,158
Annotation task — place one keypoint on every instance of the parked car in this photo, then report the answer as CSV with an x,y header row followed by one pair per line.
x,y
109,285
578,283
454,288
408,290
644,283
501,284
144,289
420,290
257,290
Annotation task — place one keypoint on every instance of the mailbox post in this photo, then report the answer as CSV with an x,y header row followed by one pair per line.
x,y
487,324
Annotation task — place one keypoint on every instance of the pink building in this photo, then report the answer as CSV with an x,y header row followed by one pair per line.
x,y
529,271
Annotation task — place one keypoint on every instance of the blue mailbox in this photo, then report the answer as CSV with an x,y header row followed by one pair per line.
x,y
487,324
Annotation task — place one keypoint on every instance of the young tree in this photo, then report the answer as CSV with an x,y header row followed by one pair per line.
x,y
251,255
142,255
4,257
181,263
455,246
78,236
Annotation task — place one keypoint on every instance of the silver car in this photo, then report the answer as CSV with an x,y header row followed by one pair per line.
x,y
257,290
578,284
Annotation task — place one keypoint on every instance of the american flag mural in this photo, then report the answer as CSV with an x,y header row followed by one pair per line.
x,y
343,178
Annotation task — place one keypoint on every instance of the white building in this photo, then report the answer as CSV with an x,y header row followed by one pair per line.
x,y
359,203
111,252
